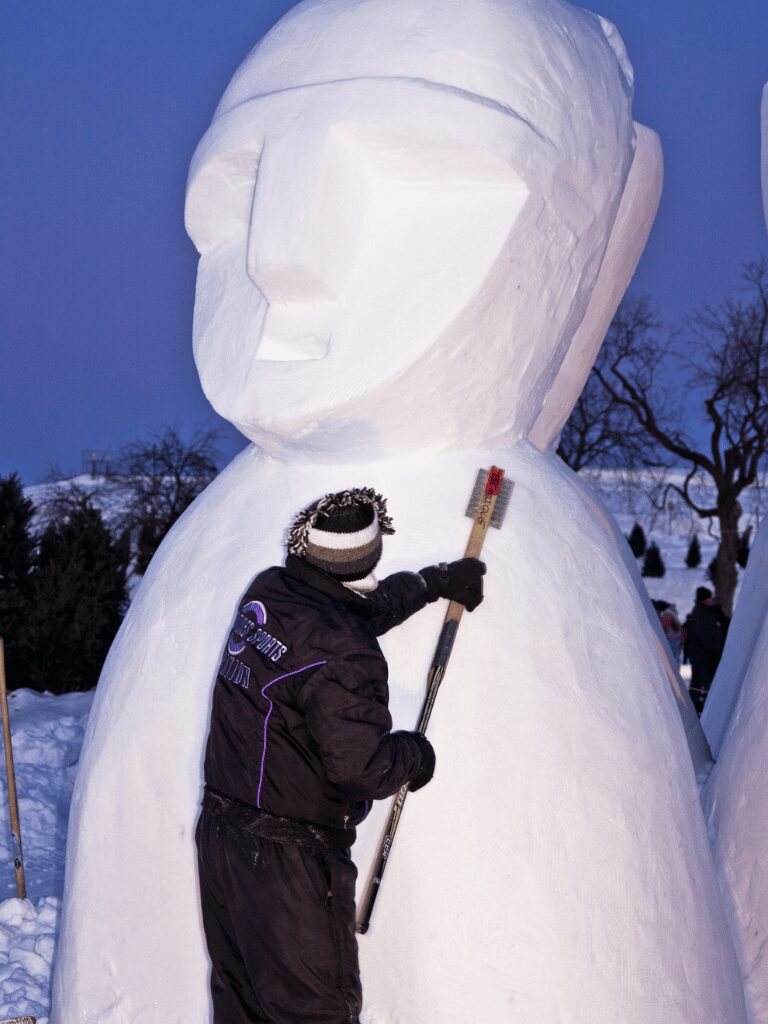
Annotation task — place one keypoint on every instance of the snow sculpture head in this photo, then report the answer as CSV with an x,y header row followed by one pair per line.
x,y
401,208
630,231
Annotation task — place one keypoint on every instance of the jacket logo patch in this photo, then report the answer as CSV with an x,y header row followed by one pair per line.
x,y
246,631
243,626
235,671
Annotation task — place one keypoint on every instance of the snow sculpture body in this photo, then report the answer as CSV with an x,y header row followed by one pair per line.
x,y
402,208
736,722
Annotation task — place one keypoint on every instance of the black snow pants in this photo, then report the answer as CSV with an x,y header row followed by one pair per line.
x,y
703,668
278,902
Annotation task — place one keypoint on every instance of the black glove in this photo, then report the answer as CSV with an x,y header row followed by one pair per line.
x,y
460,581
427,767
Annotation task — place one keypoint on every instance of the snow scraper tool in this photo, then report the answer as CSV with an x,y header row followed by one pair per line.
x,y
487,507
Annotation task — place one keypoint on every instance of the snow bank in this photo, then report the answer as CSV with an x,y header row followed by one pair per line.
x,y
47,733
27,942
47,736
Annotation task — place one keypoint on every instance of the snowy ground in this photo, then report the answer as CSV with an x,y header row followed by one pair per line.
x,y
671,527
48,732
47,735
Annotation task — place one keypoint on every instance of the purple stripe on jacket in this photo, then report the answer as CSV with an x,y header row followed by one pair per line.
x,y
296,671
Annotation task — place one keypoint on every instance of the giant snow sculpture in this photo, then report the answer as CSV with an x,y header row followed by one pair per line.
x,y
736,721
402,207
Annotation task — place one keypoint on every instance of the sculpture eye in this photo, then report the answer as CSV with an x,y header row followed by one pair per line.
x,y
220,194
392,154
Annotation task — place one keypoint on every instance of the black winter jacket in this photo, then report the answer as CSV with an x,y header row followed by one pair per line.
x,y
706,629
300,725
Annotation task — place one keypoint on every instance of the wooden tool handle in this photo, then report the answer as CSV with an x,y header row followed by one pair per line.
x,y
13,804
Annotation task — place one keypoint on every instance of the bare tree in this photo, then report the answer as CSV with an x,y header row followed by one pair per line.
x,y
159,479
725,357
602,431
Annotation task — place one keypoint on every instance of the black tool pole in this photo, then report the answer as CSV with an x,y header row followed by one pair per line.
x,y
435,677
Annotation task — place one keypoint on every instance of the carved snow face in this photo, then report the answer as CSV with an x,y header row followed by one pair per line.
x,y
390,263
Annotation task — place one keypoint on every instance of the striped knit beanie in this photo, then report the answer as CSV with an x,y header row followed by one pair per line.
x,y
341,533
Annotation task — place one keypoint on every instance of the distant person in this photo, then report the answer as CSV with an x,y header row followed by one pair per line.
x,y
673,630
704,639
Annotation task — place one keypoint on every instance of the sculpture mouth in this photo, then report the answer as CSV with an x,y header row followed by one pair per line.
x,y
293,349
296,332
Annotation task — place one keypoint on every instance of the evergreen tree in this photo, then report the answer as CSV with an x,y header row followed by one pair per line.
x,y
16,559
693,558
637,540
77,600
653,564
742,552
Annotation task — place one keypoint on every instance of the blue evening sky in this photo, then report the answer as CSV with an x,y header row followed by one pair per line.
x,y
103,103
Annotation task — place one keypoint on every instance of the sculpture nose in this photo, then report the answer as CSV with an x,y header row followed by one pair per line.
x,y
299,220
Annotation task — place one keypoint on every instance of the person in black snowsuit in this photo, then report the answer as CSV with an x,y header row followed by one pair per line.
x,y
706,628
300,744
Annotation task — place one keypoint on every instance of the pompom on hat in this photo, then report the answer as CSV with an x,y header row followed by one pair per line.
x,y
341,533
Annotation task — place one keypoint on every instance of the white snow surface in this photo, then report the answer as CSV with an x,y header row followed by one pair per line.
x,y
27,943
47,733
47,736
402,208
634,220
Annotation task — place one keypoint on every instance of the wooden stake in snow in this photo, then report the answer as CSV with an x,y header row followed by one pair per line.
x,y
18,859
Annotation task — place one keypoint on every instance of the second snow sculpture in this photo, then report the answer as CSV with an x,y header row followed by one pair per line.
x,y
736,721
402,208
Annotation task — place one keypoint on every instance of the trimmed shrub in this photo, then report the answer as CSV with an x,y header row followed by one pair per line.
x,y
637,541
653,564
693,558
